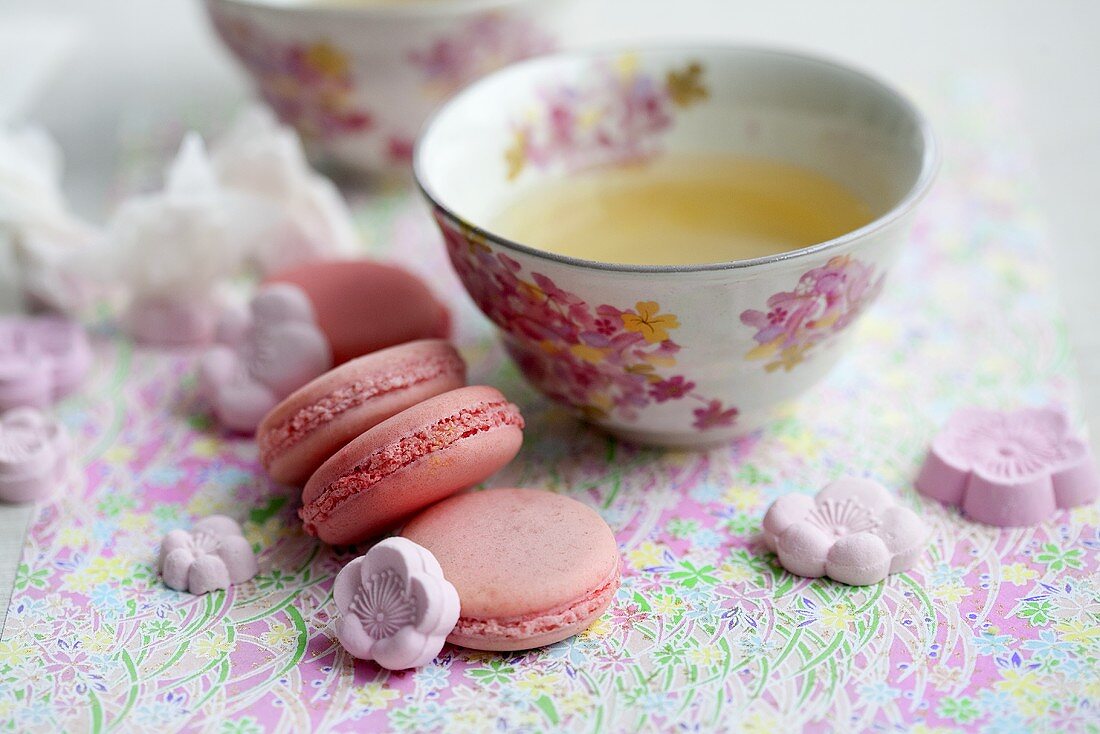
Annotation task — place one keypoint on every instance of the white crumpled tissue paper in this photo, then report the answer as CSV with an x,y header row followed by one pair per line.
x,y
39,236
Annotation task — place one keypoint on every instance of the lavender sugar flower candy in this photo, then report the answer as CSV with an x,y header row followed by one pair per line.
x,y
34,455
213,555
854,531
1009,468
263,357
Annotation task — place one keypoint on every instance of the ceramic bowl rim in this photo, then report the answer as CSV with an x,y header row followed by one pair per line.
x,y
930,157
407,9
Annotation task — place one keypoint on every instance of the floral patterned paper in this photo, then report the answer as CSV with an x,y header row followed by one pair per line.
x,y
995,630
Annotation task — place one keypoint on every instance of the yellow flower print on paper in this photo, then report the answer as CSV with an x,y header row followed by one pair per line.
x,y
1018,574
375,696
653,326
837,616
953,593
212,646
645,555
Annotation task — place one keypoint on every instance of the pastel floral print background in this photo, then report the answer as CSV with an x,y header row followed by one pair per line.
x,y
602,360
995,630
619,113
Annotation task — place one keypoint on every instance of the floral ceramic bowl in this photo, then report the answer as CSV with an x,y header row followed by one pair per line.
x,y
357,80
673,355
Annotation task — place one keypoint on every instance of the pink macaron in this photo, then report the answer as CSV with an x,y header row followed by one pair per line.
x,y
318,419
363,306
531,567
419,456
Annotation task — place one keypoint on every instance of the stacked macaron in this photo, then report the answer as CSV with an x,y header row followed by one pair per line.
x,y
385,435
384,440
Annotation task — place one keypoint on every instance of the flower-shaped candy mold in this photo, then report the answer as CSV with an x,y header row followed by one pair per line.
x,y
214,555
34,451
395,606
854,532
263,356
42,359
1009,468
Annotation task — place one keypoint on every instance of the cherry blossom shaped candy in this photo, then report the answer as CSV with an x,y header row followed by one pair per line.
x,y
263,356
214,555
395,607
34,452
854,531
1009,468
42,359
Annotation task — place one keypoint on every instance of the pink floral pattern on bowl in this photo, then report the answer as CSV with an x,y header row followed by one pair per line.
x,y
601,359
823,303
1009,468
310,86
618,115
482,44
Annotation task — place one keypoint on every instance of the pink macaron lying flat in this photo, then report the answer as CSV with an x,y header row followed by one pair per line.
x,y
314,422
409,461
531,567
363,306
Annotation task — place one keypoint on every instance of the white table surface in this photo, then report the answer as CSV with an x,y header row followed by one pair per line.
x,y
134,58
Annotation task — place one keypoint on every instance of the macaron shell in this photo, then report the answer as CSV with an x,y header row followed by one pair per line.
x,y
449,463
343,403
363,306
530,567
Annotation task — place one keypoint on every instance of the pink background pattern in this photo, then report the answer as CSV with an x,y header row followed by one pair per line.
x,y
993,631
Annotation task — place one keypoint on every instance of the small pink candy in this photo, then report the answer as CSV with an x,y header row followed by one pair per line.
x,y
395,607
171,322
1009,468
264,355
853,531
42,359
214,555
34,455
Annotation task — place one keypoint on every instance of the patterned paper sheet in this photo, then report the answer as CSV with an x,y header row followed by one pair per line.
x,y
995,630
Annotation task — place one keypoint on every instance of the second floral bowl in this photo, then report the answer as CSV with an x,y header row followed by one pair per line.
x,y
673,355
358,79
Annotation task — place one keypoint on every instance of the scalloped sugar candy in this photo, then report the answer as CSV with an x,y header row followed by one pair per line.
x,y
1009,468
854,531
